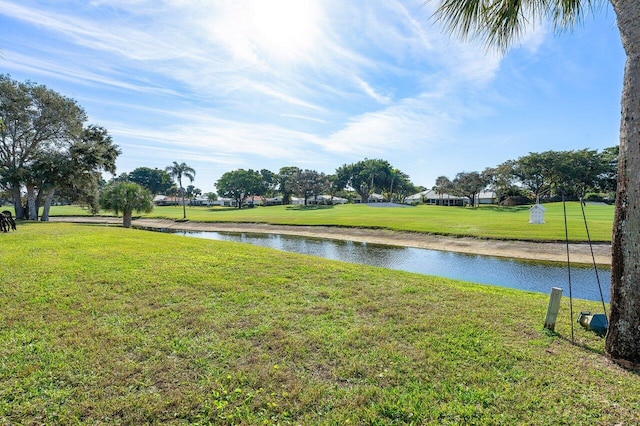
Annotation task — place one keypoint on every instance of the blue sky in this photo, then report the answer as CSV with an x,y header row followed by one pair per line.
x,y
223,84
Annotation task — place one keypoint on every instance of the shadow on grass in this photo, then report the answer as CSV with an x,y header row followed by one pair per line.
x,y
220,209
307,208
511,209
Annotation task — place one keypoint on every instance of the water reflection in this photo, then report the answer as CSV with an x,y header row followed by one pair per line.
x,y
503,272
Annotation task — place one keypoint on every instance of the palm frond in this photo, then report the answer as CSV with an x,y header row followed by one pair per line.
x,y
499,23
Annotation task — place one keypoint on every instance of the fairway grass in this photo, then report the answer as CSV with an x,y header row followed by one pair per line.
x,y
105,325
490,222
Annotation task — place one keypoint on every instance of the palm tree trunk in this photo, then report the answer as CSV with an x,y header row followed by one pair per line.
x,y
623,338
184,207
127,217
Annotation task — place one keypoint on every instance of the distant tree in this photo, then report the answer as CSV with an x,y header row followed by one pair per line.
x,y
469,184
239,185
395,181
282,178
443,186
155,180
308,183
126,197
268,183
500,179
576,172
380,175
122,177
178,171
193,192
364,177
535,172
354,176
567,173
403,188
607,181
211,196
333,185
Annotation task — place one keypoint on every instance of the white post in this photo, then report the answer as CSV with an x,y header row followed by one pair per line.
x,y
552,310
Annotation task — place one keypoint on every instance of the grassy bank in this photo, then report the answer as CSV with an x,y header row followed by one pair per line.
x,y
108,325
483,222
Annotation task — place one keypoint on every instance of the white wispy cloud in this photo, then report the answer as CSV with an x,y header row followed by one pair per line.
x,y
296,80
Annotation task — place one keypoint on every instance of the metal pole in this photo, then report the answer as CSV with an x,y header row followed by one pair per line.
x,y
566,237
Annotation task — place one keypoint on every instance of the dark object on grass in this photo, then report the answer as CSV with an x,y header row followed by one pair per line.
x,y
7,222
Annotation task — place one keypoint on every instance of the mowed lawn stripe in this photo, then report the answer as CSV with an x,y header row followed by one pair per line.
x,y
492,222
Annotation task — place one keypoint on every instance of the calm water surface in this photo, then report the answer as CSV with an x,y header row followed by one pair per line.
x,y
524,275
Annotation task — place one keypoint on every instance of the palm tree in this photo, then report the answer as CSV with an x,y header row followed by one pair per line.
x,y
498,23
126,197
177,171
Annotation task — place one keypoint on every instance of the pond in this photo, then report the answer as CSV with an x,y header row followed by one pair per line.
x,y
523,275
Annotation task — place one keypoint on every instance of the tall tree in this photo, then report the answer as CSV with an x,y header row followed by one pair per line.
x,y
282,179
395,181
308,183
240,184
608,178
469,184
211,196
500,179
155,180
79,170
576,172
37,121
498,23
193,192
535,172
269,183
365,176
334,185
126,197
443,186
178,171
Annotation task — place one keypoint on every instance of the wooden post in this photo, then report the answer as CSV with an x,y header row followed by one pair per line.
x,y
554,307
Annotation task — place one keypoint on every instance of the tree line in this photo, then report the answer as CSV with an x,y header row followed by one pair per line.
x,y
546,176
364,177
48,149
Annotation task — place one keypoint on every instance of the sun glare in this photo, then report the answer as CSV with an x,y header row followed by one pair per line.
x,y
285,29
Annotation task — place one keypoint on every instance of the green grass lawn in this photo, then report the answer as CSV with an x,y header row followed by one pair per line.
x,y
105,325
484,222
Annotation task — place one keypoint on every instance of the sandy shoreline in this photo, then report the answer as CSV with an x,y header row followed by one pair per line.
x,y
555,252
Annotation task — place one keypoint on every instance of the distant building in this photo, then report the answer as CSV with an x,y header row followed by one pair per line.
x,y
373,198
486,197
326,200
437,199
164,200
